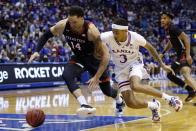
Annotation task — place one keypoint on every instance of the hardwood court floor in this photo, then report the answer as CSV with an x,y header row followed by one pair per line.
x,y
60,109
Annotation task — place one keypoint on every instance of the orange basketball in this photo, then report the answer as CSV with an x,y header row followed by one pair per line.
x,y
35,117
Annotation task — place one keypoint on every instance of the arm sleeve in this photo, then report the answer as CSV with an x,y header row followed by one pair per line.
x,y
140,39
43,39
176,30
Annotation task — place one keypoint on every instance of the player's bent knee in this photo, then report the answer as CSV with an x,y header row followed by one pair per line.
x,y
71,84
135,86
69,78
186,75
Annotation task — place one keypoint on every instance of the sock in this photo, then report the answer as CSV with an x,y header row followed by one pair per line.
x,y
152,105
119,100
166,97
81,100
189,89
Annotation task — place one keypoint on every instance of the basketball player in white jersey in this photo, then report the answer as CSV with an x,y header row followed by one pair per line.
x,y
129,68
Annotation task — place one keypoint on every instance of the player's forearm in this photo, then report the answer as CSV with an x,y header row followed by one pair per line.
x,y
103,64
187,44
155,55
43,39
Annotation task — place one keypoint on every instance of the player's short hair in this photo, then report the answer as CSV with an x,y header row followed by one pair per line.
x,y
121,21
76,11
168,13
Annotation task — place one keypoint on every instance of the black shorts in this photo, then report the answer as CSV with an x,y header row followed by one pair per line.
x,y
90,64
179,62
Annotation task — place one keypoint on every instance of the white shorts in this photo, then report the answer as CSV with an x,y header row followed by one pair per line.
x,y
123,76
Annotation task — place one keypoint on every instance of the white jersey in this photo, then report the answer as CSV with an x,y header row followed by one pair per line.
x,y
125,53
126,57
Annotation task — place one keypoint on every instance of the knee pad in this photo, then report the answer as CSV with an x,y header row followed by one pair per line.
x,y
71,71
108,90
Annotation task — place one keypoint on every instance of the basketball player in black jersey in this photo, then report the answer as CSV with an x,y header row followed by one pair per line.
x,y
90,54
181,46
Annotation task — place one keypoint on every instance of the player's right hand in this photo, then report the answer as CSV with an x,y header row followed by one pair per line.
x,y
35,54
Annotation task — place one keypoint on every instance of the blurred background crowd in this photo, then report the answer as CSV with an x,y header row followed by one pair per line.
x,y
22,22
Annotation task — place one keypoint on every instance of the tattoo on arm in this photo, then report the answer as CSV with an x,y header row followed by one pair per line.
x,y
98,48
155,55
102,54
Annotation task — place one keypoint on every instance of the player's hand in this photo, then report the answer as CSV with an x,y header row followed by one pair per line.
x,y
168,69
35,54
189,59
93,82
161,56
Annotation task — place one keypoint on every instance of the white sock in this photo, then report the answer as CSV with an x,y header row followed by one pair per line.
x,y
152,105
166,96
119,100
81,100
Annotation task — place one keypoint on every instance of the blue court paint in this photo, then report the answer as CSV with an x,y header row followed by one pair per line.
x,y
62,122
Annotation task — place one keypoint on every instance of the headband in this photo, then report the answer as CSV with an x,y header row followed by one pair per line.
x,y
119,27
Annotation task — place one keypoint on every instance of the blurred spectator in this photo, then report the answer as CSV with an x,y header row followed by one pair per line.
x,y
54,57
3,57
31,44
12,56
22,22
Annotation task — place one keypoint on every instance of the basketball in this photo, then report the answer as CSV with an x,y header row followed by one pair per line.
x,y
35,117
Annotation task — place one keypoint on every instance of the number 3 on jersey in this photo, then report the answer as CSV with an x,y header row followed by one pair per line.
x,y
124,58
75,46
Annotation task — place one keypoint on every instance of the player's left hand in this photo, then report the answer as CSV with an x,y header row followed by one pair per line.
x,y
93,82
189,59
168,69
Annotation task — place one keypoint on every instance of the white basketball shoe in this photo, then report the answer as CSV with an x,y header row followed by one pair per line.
x,y
85,111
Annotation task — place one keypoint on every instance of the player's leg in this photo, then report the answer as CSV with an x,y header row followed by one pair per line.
x,y
128,96
109,91
105,85
176,67
132,102
136,74
186,72
71,71
138,86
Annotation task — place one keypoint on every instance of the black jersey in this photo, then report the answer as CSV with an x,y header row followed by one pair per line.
x,y
79,42
172,34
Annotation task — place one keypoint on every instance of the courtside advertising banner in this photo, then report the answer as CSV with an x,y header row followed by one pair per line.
x,y
30,73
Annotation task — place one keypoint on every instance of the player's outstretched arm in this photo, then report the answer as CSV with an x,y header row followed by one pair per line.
x,y
100,52
156,57
55,30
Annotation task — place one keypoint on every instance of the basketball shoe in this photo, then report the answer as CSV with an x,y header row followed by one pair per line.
x,y
176,103
156,112
119,110
85,111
